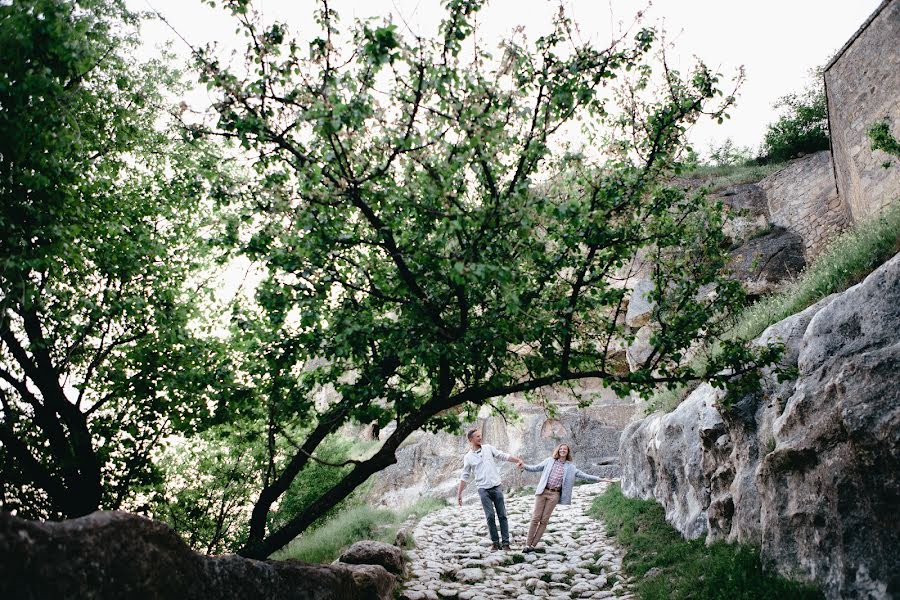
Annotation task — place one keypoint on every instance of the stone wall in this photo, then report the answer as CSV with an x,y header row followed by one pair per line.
x,y
803,199
862,84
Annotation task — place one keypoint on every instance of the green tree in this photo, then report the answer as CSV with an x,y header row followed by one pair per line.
x,y
99,235
429,253
803,126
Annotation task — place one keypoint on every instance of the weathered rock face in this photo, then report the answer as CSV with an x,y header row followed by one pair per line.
x,y
429,464
119,555
368,552
764,263
808,469
747,210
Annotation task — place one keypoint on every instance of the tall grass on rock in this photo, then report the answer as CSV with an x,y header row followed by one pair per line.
x,y
326,543
663,565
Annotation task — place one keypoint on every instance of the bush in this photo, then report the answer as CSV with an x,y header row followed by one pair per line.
x,y
317,478
664,565
803,128
729,154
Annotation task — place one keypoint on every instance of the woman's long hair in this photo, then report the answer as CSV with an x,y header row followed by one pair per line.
x,y
568,454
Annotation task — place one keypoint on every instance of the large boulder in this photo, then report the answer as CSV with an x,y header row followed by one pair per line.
x,y
662,457
831,485
120,555
808,469
368,552
764,263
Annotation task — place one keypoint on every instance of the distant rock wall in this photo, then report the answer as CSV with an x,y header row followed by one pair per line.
x,y
803,199
862,84
429,464
808,469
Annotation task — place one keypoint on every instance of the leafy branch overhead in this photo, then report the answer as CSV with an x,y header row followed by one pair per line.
x,y
431,244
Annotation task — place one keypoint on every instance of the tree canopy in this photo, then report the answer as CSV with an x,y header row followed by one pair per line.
x,y
429,251
98,237
432,241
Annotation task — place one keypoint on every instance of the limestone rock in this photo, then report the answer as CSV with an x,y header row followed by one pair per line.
x,y
808,469
368,552
640,308
120,555
766,262
662,457
640,349
832,483
747,211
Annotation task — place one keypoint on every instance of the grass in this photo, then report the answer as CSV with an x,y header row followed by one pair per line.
x,y
721,177
326,543
664,565
845,262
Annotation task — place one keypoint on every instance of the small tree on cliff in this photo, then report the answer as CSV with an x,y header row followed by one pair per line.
x,y
427,250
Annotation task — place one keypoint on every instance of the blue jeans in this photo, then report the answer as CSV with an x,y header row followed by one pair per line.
x,y
491,498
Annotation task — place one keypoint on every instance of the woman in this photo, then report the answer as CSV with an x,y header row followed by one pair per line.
x,y
555,487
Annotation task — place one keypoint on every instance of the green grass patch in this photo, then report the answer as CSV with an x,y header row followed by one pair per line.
x,y
664,565
720,177
845,262
327,542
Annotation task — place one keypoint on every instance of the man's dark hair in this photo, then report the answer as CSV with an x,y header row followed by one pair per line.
x,y
471,433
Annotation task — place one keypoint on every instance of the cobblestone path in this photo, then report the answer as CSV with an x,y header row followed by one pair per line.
x,y
452,557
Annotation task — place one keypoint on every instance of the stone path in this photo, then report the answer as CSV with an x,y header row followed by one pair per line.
x,y
452,557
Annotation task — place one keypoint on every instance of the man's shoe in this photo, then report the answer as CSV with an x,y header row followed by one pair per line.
x,y
495,546
527,549
506,547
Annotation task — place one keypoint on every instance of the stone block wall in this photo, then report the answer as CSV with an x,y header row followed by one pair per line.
x,y
803,199
862,84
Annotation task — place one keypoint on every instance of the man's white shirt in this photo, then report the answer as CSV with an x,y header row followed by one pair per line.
x,y
483,466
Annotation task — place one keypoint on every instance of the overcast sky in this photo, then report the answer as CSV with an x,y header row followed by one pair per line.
x,y
777,41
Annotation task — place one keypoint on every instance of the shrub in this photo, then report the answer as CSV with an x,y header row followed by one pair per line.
x,y
803,128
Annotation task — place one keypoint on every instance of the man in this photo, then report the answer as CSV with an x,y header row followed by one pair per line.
x,y
480,462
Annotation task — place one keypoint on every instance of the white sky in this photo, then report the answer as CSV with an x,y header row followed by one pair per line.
x,y
777,41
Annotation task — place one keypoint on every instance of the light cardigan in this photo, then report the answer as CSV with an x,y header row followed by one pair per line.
x,y
569,475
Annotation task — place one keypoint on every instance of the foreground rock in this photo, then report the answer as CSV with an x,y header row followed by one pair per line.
x,y
575,559
808,469
368,552
119,555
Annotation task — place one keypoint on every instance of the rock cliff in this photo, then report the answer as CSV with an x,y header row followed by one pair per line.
x,y
808,469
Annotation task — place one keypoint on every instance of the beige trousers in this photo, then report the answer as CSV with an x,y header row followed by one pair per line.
x,y
544,503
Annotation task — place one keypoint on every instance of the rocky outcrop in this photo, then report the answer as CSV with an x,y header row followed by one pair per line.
x,y
808,469
764,263
368,552
120,555
428,464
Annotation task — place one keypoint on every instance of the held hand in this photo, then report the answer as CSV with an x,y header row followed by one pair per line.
x,y
459,499
521,465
